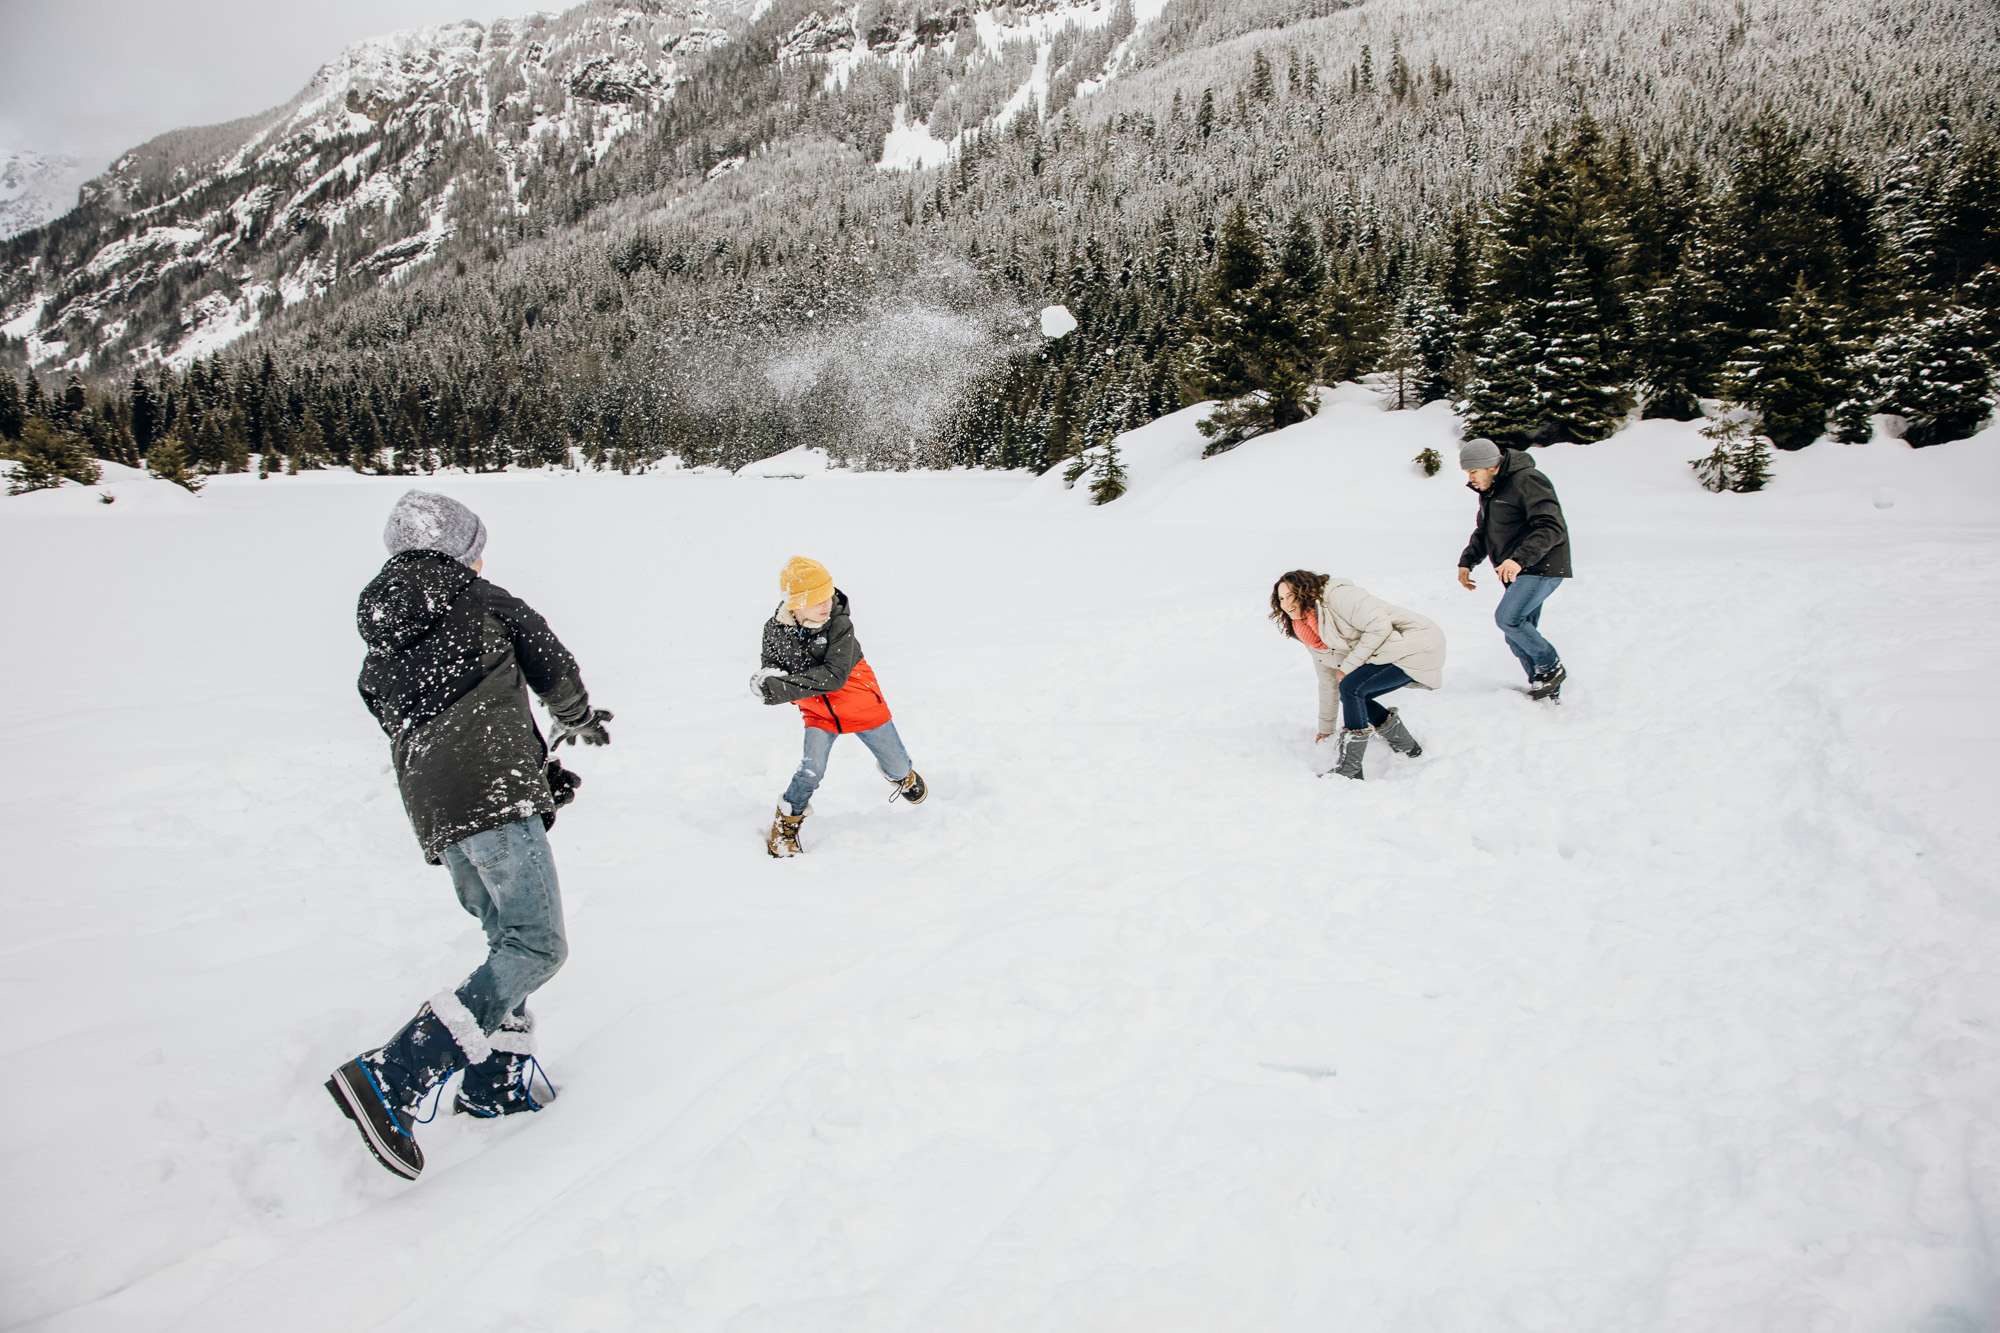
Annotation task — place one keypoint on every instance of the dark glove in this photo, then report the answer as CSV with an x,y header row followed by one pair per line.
x,y
562,786
591,729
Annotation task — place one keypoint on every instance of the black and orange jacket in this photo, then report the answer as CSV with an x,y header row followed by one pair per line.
x,y
825,673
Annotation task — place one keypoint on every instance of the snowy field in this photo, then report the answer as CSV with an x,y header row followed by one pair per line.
x,y
1674,1008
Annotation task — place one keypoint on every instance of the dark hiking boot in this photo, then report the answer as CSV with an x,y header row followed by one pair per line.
x,y
1548,684
911,788
783,839
1353,748
381,1090
505,1082
356,1088
1399,737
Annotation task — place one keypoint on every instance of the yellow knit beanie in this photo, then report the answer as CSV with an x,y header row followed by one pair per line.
x,y
805,583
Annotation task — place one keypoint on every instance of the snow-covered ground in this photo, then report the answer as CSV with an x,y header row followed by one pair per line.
x,y
1673,1008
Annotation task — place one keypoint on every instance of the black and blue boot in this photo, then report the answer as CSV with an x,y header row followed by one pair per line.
x,y
509,1081
381,1090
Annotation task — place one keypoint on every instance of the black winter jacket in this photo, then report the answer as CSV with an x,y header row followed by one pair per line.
x,y
448,654
816,660
1519,519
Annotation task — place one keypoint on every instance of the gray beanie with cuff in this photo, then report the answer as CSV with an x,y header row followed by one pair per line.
x,y
1478,453
427,521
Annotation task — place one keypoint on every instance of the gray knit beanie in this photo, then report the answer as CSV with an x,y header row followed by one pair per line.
x,y
427,521
1481,452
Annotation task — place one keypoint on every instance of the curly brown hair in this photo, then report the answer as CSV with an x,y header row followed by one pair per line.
x,y
1307,586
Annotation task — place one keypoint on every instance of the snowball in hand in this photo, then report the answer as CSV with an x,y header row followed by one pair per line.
x,y
1056,321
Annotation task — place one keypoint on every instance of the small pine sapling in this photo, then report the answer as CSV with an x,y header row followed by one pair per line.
x,y
1741,459
1110,480
1430,461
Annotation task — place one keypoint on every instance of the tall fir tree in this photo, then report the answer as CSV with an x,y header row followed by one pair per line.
x,y
1792,375
1254,343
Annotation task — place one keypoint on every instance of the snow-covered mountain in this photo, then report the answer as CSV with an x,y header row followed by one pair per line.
x,y
190,239
193,239
35,187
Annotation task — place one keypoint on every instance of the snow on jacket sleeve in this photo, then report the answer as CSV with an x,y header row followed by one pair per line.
x,y
1368,614
546,665
826,675
1543,516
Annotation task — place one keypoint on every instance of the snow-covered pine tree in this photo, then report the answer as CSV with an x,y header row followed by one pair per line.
x,y
1790,375
1252,345
168,460
1502,401
1400,366
1436,335
47,456
1108,475
1934,373
1673,342
10,408
1354,321
1581,395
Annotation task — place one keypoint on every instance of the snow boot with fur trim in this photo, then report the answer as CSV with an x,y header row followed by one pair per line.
x,y
783,839
1353,748
911,788
1399,737
504,1083
381,1090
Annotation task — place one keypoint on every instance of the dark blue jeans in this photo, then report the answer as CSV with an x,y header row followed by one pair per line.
x,y
1358,709
1519,617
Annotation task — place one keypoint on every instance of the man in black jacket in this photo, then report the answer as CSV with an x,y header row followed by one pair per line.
x,y
1521,529
448,657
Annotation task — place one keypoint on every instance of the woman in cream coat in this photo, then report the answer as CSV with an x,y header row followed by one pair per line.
x,y
1362,647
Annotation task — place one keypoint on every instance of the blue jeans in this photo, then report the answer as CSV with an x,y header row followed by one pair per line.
x,y
882,742
1519,617
507,878
1358,688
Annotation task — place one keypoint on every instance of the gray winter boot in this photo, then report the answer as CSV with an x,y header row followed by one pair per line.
x,y
1399,737
1353,747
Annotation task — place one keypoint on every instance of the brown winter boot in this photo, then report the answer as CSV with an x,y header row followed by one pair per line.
x,y
910,788
784,836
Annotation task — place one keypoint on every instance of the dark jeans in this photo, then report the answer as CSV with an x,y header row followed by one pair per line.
x,y
507,878
1519,617
1358,709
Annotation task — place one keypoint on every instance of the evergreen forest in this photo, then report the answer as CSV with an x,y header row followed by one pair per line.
x,y
1598,211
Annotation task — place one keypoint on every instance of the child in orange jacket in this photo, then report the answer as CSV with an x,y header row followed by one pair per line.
x,y
811,658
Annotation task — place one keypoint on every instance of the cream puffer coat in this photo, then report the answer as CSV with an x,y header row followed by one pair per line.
x,y
1359,628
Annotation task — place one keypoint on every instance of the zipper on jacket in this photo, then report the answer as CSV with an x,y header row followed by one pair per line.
x,y
827,699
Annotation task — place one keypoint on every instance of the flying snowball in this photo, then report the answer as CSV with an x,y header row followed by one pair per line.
x,y
1057,321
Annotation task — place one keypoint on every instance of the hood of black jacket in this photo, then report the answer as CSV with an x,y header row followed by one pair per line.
x,y
406,600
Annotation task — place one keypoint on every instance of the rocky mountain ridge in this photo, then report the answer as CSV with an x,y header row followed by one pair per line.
x,y
193,238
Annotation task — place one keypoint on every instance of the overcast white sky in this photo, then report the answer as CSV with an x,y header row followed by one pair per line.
x,y
95,77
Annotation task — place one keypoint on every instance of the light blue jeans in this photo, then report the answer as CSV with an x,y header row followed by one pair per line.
x,y
507,878
1519,617
882,742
